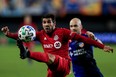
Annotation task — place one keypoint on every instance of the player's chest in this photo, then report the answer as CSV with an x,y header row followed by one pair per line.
x,y
54,41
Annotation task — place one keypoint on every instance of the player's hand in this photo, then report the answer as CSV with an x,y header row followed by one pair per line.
x,y
90,35
108,49
5,30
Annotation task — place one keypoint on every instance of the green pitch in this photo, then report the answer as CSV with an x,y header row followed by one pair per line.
x,y
12,66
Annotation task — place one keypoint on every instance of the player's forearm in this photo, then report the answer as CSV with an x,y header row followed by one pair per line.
x,y
12,35
98,40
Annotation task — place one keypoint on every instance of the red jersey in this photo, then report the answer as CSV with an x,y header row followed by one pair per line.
x,y
57,42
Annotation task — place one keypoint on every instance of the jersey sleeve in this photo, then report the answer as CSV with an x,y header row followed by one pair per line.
x,y
67,33
75,36
38,36
12,35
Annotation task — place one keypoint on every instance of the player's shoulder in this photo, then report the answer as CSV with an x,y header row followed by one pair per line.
x,y
63,29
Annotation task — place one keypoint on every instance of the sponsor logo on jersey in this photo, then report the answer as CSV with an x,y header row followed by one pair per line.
x,y
77,52
48,45
57,44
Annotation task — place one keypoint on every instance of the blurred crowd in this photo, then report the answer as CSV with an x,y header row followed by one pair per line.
x,y
58,7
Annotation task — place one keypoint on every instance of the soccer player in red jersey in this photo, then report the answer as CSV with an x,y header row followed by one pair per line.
x,y
55,42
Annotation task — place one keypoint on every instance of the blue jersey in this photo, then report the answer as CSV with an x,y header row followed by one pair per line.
x,y
83,62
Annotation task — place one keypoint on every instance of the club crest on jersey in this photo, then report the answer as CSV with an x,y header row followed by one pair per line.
x,y
81,44
56,37
57,45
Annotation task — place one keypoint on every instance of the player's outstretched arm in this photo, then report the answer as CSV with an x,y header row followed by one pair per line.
x,y
6,31
92,42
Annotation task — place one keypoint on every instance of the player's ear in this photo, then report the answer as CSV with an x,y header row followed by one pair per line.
x,y
81,26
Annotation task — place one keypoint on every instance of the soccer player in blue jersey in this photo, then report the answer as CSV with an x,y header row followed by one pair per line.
x,y
83,62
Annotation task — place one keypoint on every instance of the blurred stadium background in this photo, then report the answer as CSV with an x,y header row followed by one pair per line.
x,y
98,16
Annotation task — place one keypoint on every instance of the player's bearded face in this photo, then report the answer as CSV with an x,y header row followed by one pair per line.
x,y
48,25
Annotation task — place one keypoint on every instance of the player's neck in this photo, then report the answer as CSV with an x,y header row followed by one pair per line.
x,y
79,33
52,31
